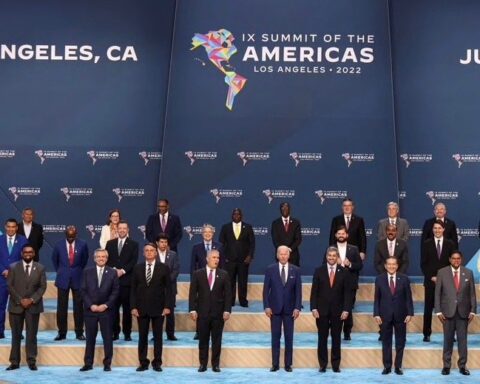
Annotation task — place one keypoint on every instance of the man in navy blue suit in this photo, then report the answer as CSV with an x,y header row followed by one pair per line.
x,y
100,290
69,258
282,301
199,250
392,309
164,222
11,245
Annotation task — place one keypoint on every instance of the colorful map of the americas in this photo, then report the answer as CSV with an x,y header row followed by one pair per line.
x,y
219,47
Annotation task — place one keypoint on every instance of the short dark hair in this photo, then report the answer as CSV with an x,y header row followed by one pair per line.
x,y
440,222
161,236
347,199
11,220
456,251
341,227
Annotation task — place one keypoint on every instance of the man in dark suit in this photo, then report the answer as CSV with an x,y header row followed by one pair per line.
x,y
209,303
199,250
282,302
354,225
440,212
100,290
164,222
349,259
32,231
391,246
238,242
11,245
455,305
287,231
403,229
27,283
330,303
150,299
122,257
170,259
69,258
393,310
434,256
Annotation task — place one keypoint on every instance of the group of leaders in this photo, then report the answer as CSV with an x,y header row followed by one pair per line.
x,y
147,290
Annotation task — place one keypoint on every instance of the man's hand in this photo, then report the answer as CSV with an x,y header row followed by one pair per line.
x,y
441,317
165,312
378,319
94,308
248,259
295,314
347,263
363,255
5,273
26,303
434,279
119,272
471,316
268,312
226,316
102,308
407,319
315,314
194,315
134,312
344,315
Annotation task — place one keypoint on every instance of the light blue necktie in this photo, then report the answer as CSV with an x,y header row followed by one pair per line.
x,y
10,245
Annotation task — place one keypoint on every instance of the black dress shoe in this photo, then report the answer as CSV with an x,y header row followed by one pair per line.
x,y
398,371
11,367
59,337
196,336
2,336
347,337
386,371
33,367
426,339
274,368
244,305
216,369
107,368
322,369
445,371
202,368
86,368
81,338
115,337
380,338
172,338
464,371
22,337
157,368
142,368
288,368
128,338
336,370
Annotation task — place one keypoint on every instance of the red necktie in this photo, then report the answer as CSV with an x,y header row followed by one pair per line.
x,y
456,280
210,278
332,276
71,254
392,285
286,225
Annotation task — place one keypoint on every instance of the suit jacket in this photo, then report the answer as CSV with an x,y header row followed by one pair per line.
x,y
150,300
69,276
173,264
356,262
92,294
449,233
21,286
35,239
356,231
403,229
281,298
173,229
208,302
394,307
127,259
199,255
430,263
331,300
7,259
291,239
237,250
382,254
448,300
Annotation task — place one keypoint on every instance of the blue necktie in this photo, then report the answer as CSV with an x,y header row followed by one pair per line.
x,y
10,245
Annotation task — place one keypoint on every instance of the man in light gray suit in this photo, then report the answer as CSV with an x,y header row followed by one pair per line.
x,y
27,283
455,306
401,224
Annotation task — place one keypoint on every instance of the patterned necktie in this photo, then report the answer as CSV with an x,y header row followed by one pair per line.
x,y
332,275
283,276
456,280
392,285
100,275
10,245
163,223
210,279
207,247
439,249
27,269
149,274
286,225
71,254
120,247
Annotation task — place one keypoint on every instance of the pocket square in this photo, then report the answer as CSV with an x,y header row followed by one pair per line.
x,y
466,280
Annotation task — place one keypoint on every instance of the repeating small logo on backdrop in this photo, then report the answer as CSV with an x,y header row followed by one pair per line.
x,y
121,193
195,156
368,231
102,155
24,191
324,195
409,158
7,153
310,231
461,158
415,232
54,228
298,157
70,192
143,231
441,195
93,229
246,157
351,158
192,230
260,231
45,155
219,194
402,195
466,232
148,156
271,194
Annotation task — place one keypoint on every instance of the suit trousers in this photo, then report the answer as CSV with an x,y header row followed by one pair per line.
x,y
238,270
276,322
170,319
210,326
157,330
333,324
3,306
124,302
386,331
92,320
348,322
428,308
459,325
62,311
31,325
